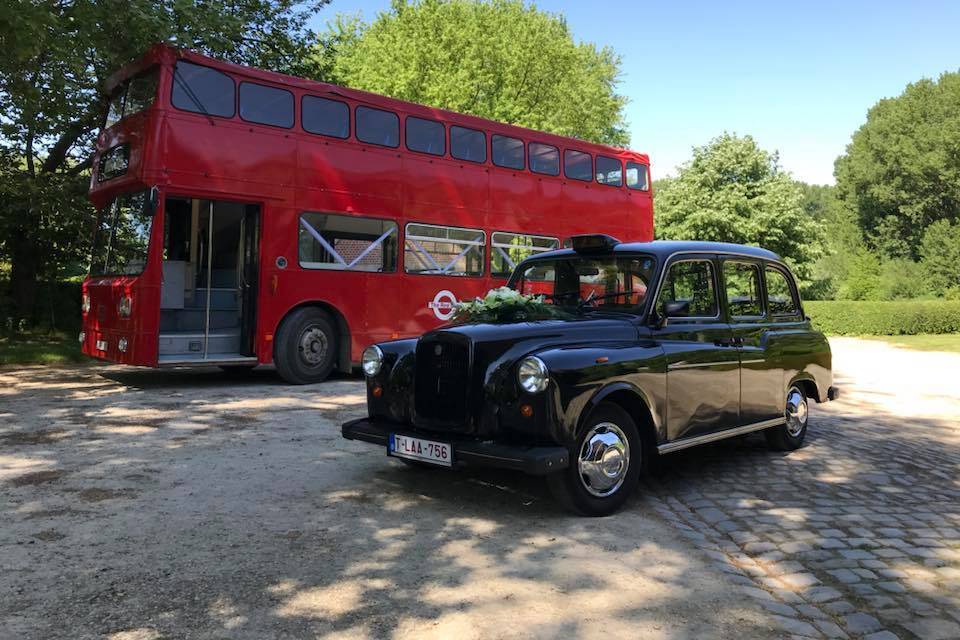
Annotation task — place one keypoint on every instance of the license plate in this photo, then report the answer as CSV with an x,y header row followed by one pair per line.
x,y
101,345
416,449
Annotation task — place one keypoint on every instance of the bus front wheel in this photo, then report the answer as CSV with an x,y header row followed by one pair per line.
x,y
306,346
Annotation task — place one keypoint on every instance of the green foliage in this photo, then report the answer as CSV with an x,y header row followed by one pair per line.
x,y
734,191
56,59
862,281
911,317
498,59
901,172
949,342
940,249
902,279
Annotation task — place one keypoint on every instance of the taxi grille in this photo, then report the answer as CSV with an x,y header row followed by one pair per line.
x,y
442,382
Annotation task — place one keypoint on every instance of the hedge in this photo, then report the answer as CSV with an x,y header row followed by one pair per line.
x,y
902,317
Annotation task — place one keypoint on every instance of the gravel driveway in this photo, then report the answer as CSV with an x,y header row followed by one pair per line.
x,y
152,504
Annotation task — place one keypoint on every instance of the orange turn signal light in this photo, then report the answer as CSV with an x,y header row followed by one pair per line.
x,y
526,410
377,392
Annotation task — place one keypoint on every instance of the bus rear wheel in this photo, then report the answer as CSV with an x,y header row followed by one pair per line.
x,y
306,346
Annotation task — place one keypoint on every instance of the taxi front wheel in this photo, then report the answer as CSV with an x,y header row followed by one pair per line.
x,y
604,465
790,434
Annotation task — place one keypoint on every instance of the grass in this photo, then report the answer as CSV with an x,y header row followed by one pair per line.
x,y
40,349
943,342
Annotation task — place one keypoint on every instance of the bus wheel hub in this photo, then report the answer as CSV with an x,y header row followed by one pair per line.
x,y
313,346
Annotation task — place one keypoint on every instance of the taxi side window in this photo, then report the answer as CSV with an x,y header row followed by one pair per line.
x,y
742,282
689,291
780,296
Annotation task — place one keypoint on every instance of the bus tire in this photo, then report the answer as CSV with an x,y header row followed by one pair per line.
x,y
306,346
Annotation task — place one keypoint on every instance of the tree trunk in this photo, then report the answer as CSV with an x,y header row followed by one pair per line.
x,y
25,266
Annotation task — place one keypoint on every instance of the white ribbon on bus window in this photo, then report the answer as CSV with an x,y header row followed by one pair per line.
x,y
333,252
437,269
500,246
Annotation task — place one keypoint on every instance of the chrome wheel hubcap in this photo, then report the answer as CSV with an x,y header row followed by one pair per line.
x,y
796,413
604,459
313,346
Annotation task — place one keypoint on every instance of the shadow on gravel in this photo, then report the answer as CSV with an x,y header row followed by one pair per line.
x,y
146,516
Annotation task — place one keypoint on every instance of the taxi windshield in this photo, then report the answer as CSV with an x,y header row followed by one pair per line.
x,y
608,283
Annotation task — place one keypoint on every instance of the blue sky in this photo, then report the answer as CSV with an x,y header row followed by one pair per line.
x,y
798,77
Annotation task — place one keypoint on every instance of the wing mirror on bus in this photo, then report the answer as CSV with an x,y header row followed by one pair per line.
x,y
153,202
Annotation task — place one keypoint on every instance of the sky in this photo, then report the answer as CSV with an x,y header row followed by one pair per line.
x,y
799,77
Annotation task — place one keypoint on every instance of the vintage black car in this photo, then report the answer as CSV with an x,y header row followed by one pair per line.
x,y
655,347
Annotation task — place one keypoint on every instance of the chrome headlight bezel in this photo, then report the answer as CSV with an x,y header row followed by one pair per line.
x,y
372,360
85,303
532,374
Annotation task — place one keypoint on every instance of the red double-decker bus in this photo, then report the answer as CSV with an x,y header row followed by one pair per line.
x,y
248,217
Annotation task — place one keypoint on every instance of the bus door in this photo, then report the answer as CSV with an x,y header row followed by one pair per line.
x,y
208,297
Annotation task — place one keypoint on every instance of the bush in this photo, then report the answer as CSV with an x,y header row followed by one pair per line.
x,y
908,317
57,308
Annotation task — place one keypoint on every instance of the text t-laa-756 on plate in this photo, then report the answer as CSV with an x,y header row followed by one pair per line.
x,y
418,449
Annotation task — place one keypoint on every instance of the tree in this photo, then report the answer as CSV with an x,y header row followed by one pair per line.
x,y
56,58
734,191
863,277
940,249
901,171
498,59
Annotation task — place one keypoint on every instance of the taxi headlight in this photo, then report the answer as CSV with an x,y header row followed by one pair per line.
x,y
372,360
532,374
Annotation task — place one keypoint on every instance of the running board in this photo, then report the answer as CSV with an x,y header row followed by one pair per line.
x,y
686,443
199,361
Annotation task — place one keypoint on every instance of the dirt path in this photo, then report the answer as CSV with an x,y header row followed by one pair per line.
x,y
142,504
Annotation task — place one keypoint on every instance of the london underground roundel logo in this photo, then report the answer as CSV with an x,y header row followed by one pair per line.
x,y
443,304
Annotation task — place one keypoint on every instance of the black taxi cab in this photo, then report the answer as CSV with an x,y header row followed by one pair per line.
x,y
646,349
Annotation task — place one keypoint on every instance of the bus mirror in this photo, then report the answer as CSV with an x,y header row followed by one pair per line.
x,y
153,202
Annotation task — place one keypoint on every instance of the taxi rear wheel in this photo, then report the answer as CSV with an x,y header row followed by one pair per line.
x,y
790,435
604,465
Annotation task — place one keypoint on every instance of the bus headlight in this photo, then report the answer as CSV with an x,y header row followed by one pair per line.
x,y
125,306
85,303
372,360
122,345
532,375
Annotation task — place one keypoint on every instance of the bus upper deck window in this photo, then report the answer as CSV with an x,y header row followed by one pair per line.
x,y
266,105
468,144
378,127
507,152
577,165
203,90
544,158
325,117
609,171
426,136
637,176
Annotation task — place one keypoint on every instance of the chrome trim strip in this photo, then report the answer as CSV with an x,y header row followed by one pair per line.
x,y
686,443
701,365
754,361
